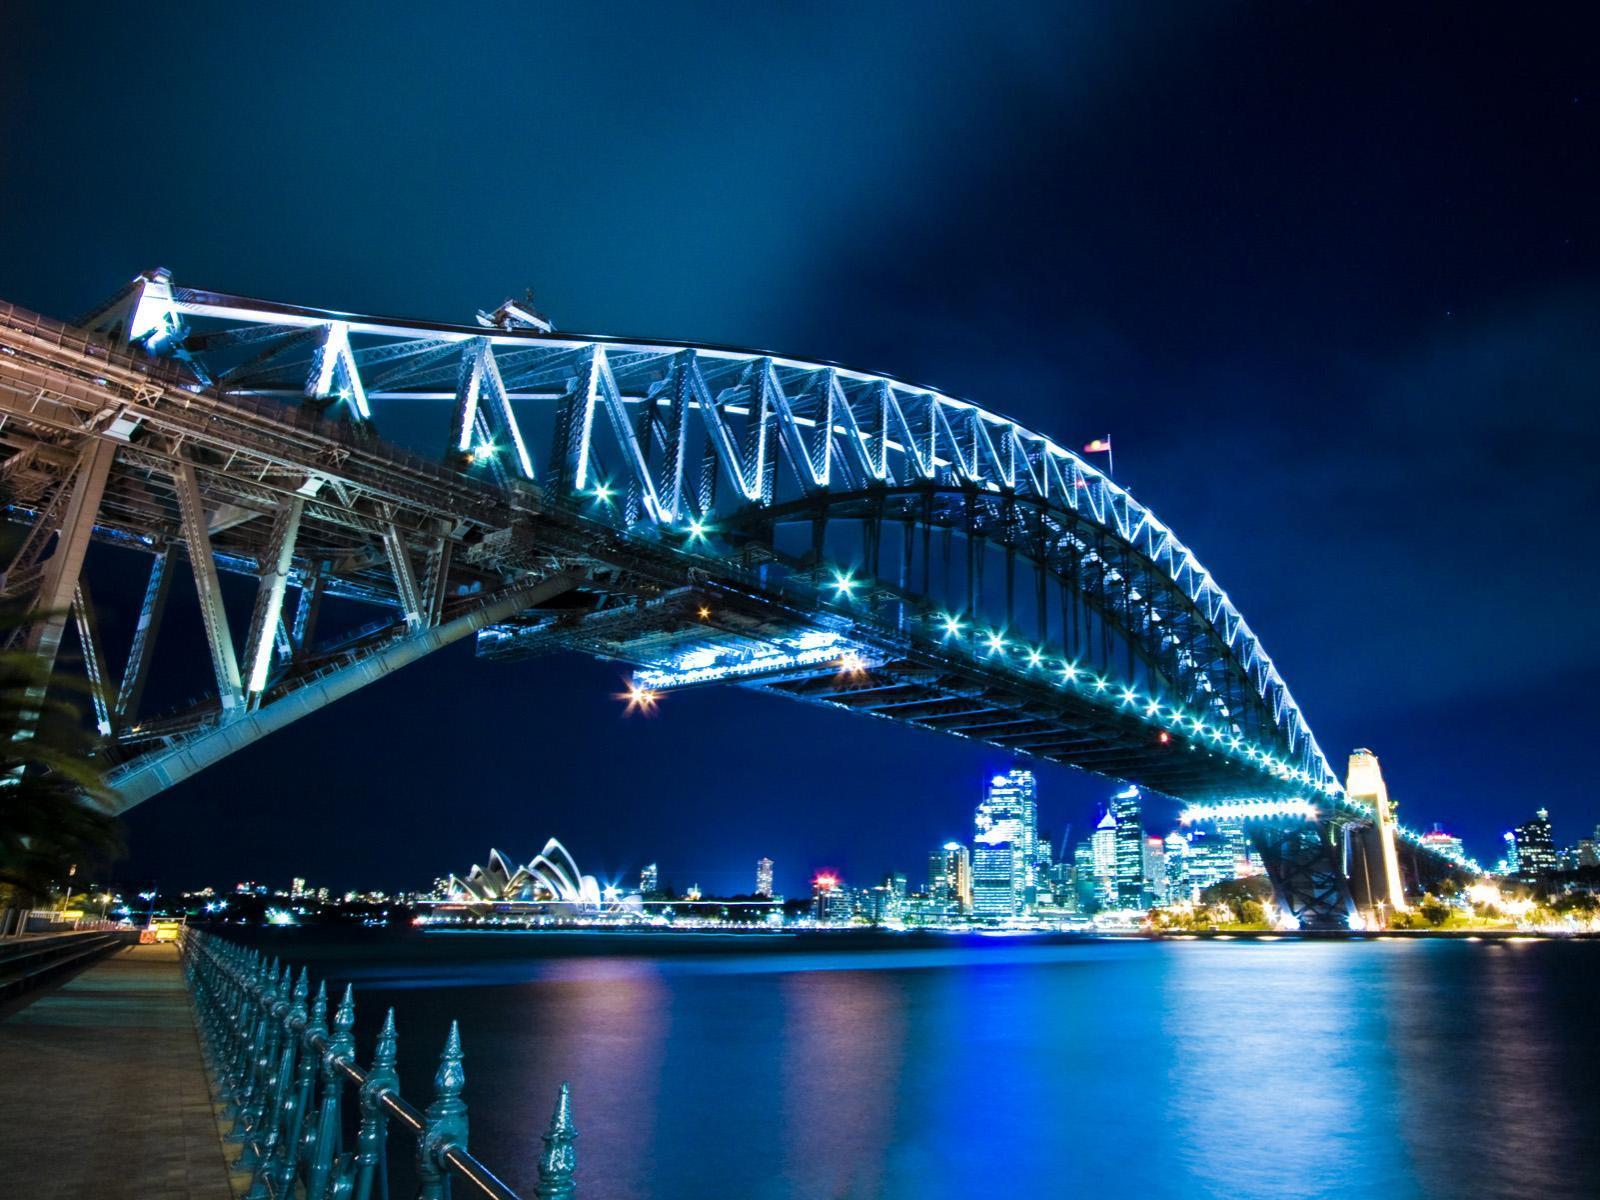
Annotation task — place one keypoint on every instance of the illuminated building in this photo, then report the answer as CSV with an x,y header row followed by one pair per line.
x,y
1175,859
994,877
764,877
1155,869
1129,848
297,889
950,878
1445,845
1009,813
830,900
1084,883
889,899
1534,846
551,882
1103,845
650,881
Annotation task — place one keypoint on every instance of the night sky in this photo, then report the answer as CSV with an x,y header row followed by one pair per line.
x,y
1329,275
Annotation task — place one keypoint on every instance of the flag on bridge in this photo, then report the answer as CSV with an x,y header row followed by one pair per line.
x,y
1100,445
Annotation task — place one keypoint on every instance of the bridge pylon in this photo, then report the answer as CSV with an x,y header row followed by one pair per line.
x,y
1374,851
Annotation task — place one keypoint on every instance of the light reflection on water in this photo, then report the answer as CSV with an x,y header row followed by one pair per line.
x,y
1008,1068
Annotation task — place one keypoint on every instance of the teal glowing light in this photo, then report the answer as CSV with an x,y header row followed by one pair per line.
x,y
952,626
996,642
1034,658
844,584
697,530
603,493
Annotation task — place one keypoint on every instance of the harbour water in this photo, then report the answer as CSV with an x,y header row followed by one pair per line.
x,y
831,1068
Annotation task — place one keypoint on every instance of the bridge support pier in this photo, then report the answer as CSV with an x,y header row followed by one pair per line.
x,y
1304,864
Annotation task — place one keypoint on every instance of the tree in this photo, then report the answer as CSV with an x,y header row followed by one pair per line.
x,y
51,793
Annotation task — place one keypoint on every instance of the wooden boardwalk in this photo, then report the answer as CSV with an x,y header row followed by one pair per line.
x,y
103,1091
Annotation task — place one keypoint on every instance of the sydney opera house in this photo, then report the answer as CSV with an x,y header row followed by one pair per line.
x,y
549,886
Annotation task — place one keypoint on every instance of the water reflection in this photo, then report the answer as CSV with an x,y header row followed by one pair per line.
x,y
1407,1070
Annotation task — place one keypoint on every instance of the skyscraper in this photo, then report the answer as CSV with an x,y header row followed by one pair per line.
x,y
994,876
1535,846
1125,810
950,878
830,899
764,877
1103,846
1009,813
1176,861
650,881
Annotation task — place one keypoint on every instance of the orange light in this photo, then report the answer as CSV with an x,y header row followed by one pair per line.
x,y
705,613
1163,737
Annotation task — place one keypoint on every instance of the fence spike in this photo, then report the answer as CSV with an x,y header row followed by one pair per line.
x,y
559,1160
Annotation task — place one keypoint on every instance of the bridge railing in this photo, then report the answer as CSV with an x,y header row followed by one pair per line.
x,y
286,1076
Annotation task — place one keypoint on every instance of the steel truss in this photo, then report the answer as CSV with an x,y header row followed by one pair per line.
x,y
636,499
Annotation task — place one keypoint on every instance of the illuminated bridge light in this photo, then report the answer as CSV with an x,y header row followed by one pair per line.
x,y
844,583
1100,684
852,663
1069,671
952,626
641,698
996,642
603,493
1249,810
1152,709
1035,658
697,530
1129,695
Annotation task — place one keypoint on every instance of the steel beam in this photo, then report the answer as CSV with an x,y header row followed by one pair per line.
x,y
412,607
94,665
158,770
144,636
224,661
264,619
61,570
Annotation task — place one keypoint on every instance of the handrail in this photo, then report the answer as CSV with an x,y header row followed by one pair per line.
x,y
283,1075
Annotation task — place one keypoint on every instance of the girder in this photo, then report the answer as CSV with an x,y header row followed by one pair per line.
x,y
675,480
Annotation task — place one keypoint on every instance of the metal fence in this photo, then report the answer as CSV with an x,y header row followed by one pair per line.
x,y
285,1078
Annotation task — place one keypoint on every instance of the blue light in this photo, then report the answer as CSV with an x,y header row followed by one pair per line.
x,y
1034,658
602,493
844,583
697,530
996,642
952,626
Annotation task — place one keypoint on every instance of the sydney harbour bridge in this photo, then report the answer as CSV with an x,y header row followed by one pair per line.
x,y
705,514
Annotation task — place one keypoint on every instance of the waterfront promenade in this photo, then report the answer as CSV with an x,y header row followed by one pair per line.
x,y
103,1091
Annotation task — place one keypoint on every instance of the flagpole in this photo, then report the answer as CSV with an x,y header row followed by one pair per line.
x,y
1111,460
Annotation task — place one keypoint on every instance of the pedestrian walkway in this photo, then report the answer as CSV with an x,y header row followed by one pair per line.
x,y
103,1091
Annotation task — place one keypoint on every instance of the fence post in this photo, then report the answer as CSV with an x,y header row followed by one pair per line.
x,y
446,1121
341,1045
370,1148
560,1158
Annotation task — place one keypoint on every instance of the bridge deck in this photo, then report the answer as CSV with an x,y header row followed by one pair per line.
x,y
103,1091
